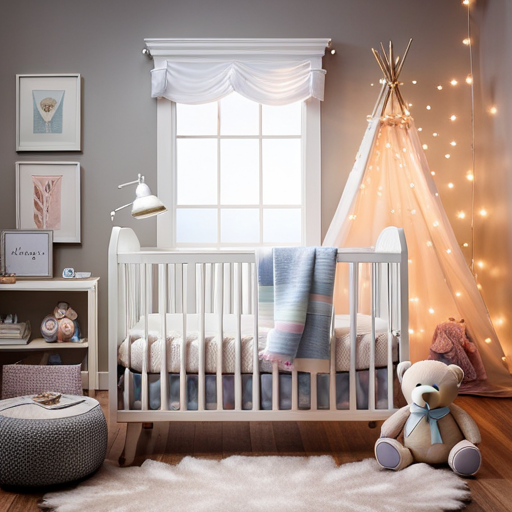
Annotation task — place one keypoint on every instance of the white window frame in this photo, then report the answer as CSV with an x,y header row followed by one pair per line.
x,y
166,126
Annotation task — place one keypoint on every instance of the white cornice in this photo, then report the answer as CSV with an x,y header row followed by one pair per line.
x,y
282,47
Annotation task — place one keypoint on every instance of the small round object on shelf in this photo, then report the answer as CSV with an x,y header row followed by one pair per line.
x,y
68,273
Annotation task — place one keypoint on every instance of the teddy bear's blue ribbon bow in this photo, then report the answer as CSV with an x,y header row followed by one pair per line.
x,y
431,415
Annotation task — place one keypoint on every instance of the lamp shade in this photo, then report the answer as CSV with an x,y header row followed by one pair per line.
x,y
146,204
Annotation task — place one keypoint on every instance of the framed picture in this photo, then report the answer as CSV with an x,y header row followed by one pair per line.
x,y
48,113
27,253
48,197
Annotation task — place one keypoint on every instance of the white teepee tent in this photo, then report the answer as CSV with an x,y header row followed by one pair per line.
x,y
391,184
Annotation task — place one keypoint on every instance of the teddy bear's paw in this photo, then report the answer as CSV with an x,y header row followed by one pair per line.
x,y
391,454
465,458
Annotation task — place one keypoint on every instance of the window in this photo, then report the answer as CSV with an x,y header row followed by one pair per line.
x,y
239,174
233,171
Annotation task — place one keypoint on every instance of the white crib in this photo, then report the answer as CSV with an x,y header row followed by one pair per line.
x,y
211,297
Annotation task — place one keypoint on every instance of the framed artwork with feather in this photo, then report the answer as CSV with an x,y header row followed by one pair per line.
x,y
48,198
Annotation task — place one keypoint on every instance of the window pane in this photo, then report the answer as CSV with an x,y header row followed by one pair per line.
x,y
197,171
194,225
240,226
285,120
238,116
282,171
282,226
196,119
239,175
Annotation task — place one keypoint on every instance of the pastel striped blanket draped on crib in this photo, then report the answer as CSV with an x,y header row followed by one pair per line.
x,y
295,290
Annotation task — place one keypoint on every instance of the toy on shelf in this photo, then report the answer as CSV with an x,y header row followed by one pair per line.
x,y
62,325
431,428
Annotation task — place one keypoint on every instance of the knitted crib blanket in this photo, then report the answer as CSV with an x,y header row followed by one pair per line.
x,y
295,286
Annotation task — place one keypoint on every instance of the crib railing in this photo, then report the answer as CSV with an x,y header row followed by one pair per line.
x,y
216,284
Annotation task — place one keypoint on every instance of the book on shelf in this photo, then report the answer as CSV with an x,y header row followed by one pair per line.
x,y
15,334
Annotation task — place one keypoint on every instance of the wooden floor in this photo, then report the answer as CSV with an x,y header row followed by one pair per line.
x,y
491,490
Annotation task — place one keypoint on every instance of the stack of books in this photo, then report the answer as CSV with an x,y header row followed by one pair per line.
x,y
15,334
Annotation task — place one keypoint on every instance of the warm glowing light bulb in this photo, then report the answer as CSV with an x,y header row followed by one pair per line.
x,y
465,2
449,251
428,107
453,117
466,41
388,145
480,264
483,212
435,224
453,143
454,82
465,244
479,286
433,173
440,87
435,134
469,79
420,129
411,331
493,110
431,311
461,215
488,340
469,176
425,146
414,82
447,155
450,185
458,294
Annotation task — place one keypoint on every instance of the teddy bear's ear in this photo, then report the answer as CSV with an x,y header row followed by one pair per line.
x,y
458,371
402,368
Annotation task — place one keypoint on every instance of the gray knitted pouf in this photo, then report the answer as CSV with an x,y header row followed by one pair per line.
x,y
40,447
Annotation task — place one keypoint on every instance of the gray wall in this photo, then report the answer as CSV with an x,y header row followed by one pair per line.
x,y
102,41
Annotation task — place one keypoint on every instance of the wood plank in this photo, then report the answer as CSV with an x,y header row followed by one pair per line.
x,y
180,442
288,439
314,438
6,498
208,440
236,438
262,438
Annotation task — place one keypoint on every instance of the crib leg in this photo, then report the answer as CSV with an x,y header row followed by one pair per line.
x,y
133,431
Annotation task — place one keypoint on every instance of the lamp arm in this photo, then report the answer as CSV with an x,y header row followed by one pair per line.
x,y
113,212
140,179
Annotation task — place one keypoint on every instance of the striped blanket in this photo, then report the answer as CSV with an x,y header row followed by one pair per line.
x,y
295,286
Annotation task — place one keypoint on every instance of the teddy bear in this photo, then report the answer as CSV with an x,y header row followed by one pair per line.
x,y
431,428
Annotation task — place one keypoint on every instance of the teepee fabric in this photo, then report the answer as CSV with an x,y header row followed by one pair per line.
x,y
391,185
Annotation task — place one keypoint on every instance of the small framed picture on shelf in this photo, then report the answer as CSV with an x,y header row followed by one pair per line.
x,y
48,197
27,253
48,112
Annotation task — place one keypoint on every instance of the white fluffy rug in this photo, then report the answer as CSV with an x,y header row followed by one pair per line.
x,y
253,484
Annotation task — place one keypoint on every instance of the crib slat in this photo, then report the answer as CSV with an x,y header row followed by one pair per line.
x,y
145,284
354,285
275,387
391,267
332,380
183,352
201,338
371,382
238,334
220,337
162,308
255,347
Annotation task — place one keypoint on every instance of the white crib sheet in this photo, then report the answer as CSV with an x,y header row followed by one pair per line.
x,y
174,339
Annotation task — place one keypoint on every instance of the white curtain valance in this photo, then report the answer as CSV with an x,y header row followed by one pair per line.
x,y
272,72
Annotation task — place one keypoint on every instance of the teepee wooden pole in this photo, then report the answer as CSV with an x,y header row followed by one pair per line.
x,y
399,70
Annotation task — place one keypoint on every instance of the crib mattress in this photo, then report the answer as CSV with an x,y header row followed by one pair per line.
x,y
174,340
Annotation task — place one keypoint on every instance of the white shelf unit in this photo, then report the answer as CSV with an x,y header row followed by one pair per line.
x,y
89,377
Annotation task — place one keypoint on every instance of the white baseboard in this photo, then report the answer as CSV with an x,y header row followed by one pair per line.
x,y
103,380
